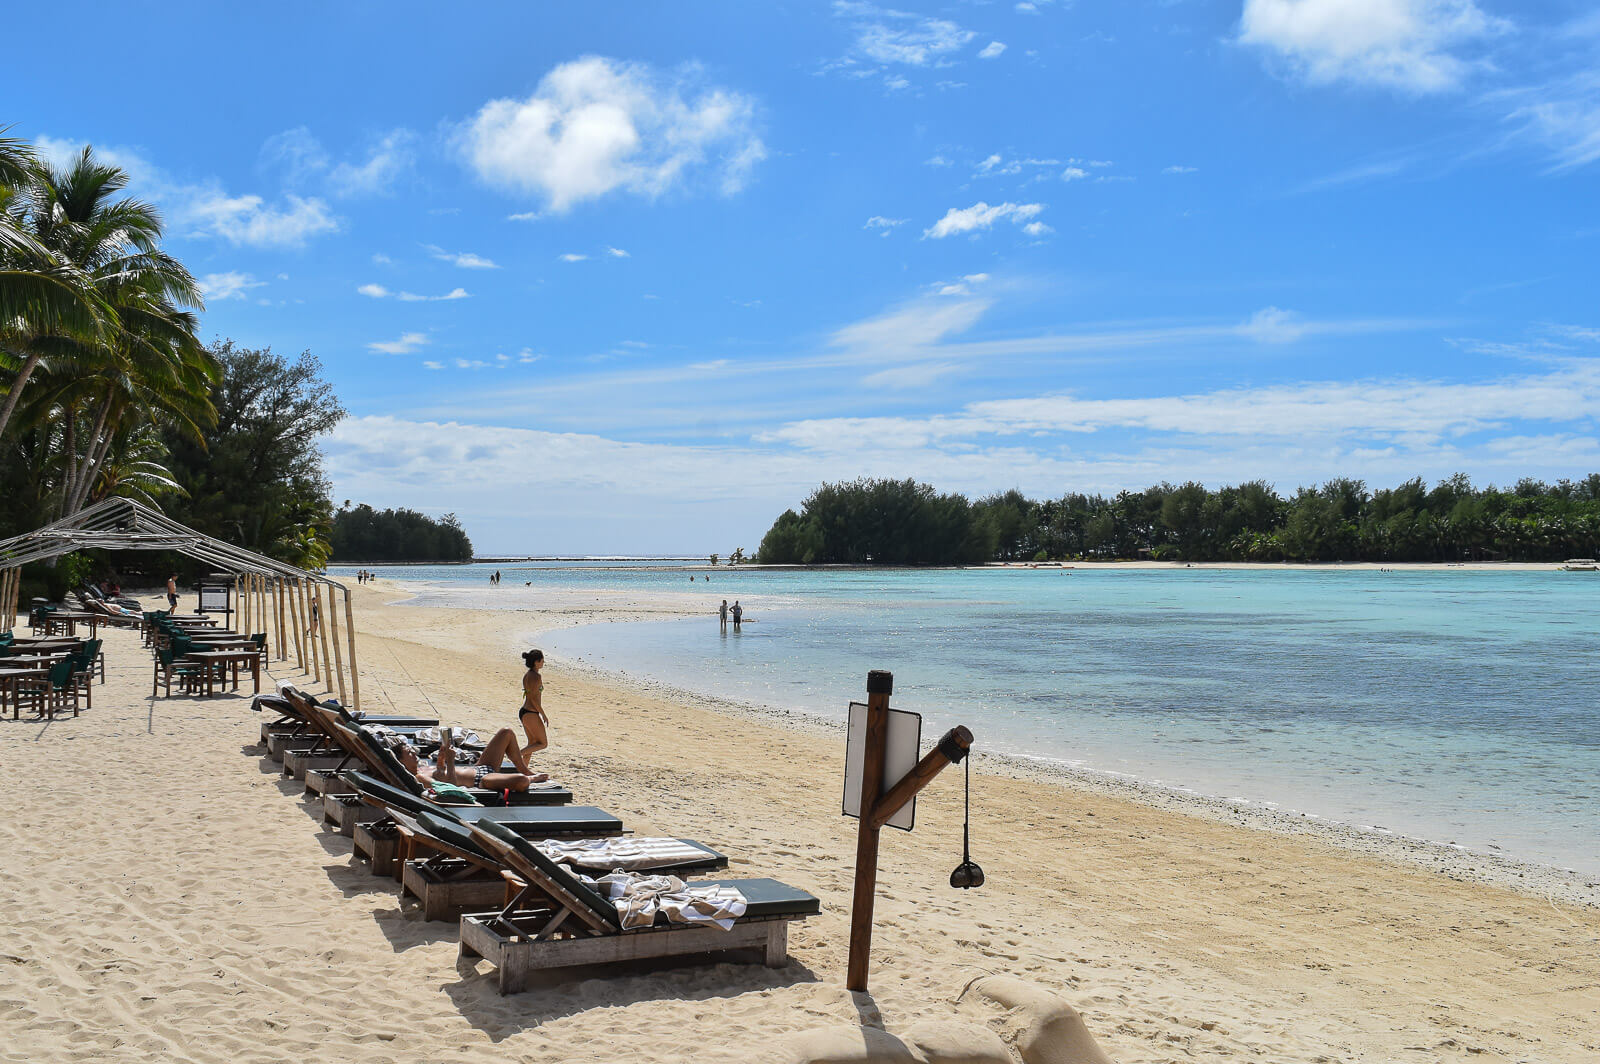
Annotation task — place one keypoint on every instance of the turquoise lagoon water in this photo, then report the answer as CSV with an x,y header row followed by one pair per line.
x,y
1451,705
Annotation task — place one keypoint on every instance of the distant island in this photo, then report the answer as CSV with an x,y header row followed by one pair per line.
x,y
363,534
902,522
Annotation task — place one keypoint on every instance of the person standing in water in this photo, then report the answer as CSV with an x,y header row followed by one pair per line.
x,y
738,614
534,722
722,612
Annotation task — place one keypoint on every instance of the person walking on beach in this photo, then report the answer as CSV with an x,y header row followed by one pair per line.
x,y
534,722
316,616
722,612
172,592
738,614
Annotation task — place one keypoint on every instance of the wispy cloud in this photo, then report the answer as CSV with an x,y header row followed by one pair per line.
x,y
465,259
230,285
992,50
407,343
616,253
573,256
980,217
378,291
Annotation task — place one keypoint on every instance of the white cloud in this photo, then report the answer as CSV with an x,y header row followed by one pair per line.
x,y
1037,229
1270,325
230,285
464,259
454,293
375,291
471,363
527,355
387,160
380,259
878,221
937,160
918,375
1074,173
426,364
1179,169
597,125
914,45
1564,115
407,343
992,50
617,253
980,216
1403,44
250,220
573,256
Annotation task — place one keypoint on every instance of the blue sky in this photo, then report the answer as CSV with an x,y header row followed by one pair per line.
x,y
611,277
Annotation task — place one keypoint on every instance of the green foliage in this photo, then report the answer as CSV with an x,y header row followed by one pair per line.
x,y
885,522
899,522
255,479
367,535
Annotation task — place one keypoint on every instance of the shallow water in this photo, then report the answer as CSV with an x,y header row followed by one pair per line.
x,y
1452,705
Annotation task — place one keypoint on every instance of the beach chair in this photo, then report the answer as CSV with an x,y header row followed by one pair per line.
x,y
169,666
448,873
52,692
387,767
555,920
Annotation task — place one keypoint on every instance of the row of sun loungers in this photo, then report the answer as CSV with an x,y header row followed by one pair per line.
x,y
536,881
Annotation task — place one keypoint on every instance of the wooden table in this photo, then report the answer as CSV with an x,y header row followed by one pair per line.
x,y
220,659
193,622
211,642
9,679
71,617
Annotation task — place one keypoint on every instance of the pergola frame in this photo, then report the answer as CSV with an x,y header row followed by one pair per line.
x,y
271,595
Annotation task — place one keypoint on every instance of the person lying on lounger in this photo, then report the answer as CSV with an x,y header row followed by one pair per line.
x,y
484,773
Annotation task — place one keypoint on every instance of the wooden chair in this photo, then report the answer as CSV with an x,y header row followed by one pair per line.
x,y
64,683
169,665
556,921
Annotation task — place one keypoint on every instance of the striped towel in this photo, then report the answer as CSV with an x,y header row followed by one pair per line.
x,y
621,854
639,898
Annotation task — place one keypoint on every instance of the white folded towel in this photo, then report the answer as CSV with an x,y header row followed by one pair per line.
x,y
621,853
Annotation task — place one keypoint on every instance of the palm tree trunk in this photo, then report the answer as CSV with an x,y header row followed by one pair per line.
x,y
69,456
93,474
83,479
23,374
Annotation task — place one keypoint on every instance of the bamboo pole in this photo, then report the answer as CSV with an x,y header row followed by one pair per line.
x,y
277,615
311,637
8,585
350,633
294,624
338,653
327,658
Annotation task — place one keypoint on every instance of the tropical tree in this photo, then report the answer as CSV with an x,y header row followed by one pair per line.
x,y
142,365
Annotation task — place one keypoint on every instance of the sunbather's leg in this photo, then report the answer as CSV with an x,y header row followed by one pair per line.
x,y
511,781
502,746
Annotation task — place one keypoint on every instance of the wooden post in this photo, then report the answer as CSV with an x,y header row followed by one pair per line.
x,y
350,631
338,654
277,613
878,805
290,589
880,685
311,639
327,658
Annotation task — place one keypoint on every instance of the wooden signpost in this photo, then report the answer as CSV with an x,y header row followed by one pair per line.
x,y
879,801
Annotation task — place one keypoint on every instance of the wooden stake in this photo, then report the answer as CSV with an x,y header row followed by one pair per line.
x,y
880,685
311,638
327,658
350,630
338,654
294,623
277,613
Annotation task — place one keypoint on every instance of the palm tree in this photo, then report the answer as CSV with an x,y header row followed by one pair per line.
x,y
41,294
145,363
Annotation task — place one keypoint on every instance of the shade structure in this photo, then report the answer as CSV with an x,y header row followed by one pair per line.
x,y
124,524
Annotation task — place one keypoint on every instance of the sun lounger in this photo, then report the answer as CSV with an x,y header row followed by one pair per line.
x,y
557,921
449,873
384,765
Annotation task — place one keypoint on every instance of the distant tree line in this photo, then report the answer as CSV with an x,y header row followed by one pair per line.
x,y
901,522
367,535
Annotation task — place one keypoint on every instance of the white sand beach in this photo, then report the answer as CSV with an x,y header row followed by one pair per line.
x,y
170,897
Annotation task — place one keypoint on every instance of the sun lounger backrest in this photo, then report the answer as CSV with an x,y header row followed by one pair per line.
x,y
389,766
523,852
369,787
454,833
349,739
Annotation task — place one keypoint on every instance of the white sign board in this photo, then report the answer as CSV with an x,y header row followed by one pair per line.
x,y
214,598
902,751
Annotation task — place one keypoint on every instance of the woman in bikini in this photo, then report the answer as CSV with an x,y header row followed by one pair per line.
x,y
534,722
485,773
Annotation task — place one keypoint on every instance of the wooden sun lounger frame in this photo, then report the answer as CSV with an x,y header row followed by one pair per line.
x,y
544,925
